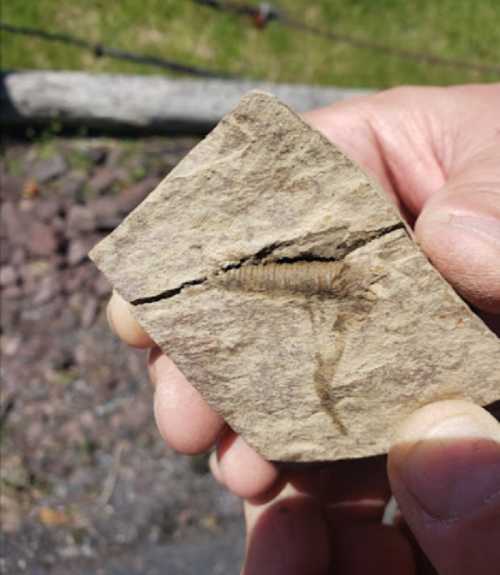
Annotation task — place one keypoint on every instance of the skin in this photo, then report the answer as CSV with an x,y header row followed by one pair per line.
x,y
436,151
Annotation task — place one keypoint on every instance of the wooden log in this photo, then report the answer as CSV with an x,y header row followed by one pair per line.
x,y
145,103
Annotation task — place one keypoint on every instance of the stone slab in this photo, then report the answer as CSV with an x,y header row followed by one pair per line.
x,y
286,287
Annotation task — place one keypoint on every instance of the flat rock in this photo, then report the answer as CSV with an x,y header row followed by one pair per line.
x,y
97,154
48,169
102,181
11,186
284,284
89,312
14,223
107,213
47,210
41,239
47,289
77,251
8,276
80,219
72,186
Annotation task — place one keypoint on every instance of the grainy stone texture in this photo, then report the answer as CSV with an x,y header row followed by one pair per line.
x,y
287,289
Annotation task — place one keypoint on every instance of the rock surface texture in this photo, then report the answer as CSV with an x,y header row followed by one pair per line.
x,y
286,288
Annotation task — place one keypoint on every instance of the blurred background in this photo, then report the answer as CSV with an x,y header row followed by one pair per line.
x,y
209,33
87,486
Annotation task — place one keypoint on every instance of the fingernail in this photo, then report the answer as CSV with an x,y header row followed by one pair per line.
x,y
455,468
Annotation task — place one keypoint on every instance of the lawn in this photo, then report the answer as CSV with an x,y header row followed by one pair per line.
x,y
193,34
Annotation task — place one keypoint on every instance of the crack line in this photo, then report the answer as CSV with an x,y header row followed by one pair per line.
x,y
168,293
265,252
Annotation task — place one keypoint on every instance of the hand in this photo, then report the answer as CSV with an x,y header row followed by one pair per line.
x,y
436,151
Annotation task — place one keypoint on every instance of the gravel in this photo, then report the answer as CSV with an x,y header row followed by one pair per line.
x,y
88,486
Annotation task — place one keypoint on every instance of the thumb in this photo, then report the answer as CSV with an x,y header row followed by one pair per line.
x,y
459,228
445,474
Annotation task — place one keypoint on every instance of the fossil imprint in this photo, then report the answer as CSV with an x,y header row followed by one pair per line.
x,y
310,277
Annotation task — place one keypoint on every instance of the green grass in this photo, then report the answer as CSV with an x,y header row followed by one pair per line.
x,y
178,29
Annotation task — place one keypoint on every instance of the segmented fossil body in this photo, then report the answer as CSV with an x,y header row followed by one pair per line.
x,y
305,277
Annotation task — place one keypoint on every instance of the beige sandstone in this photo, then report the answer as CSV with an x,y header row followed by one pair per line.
x,y
286,287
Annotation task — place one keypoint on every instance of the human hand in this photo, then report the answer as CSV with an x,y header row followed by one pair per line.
x,y
436,151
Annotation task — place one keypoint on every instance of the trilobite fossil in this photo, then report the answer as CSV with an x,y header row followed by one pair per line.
x,y
315,277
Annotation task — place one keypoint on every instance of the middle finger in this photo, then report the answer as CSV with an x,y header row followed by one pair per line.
x,y
185,420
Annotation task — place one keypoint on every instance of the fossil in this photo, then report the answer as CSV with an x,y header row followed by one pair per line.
x,y
308,277
283,284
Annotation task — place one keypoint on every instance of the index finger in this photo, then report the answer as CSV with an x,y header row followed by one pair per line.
x,y
124,325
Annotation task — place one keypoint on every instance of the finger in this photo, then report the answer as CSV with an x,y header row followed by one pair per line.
x,y
292,535
353,490
459,230
242,469
343,481
445,473
287,536
124,325
371,550
184,419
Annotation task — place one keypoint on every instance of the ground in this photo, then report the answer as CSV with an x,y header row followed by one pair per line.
x,y
198,35
87,485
